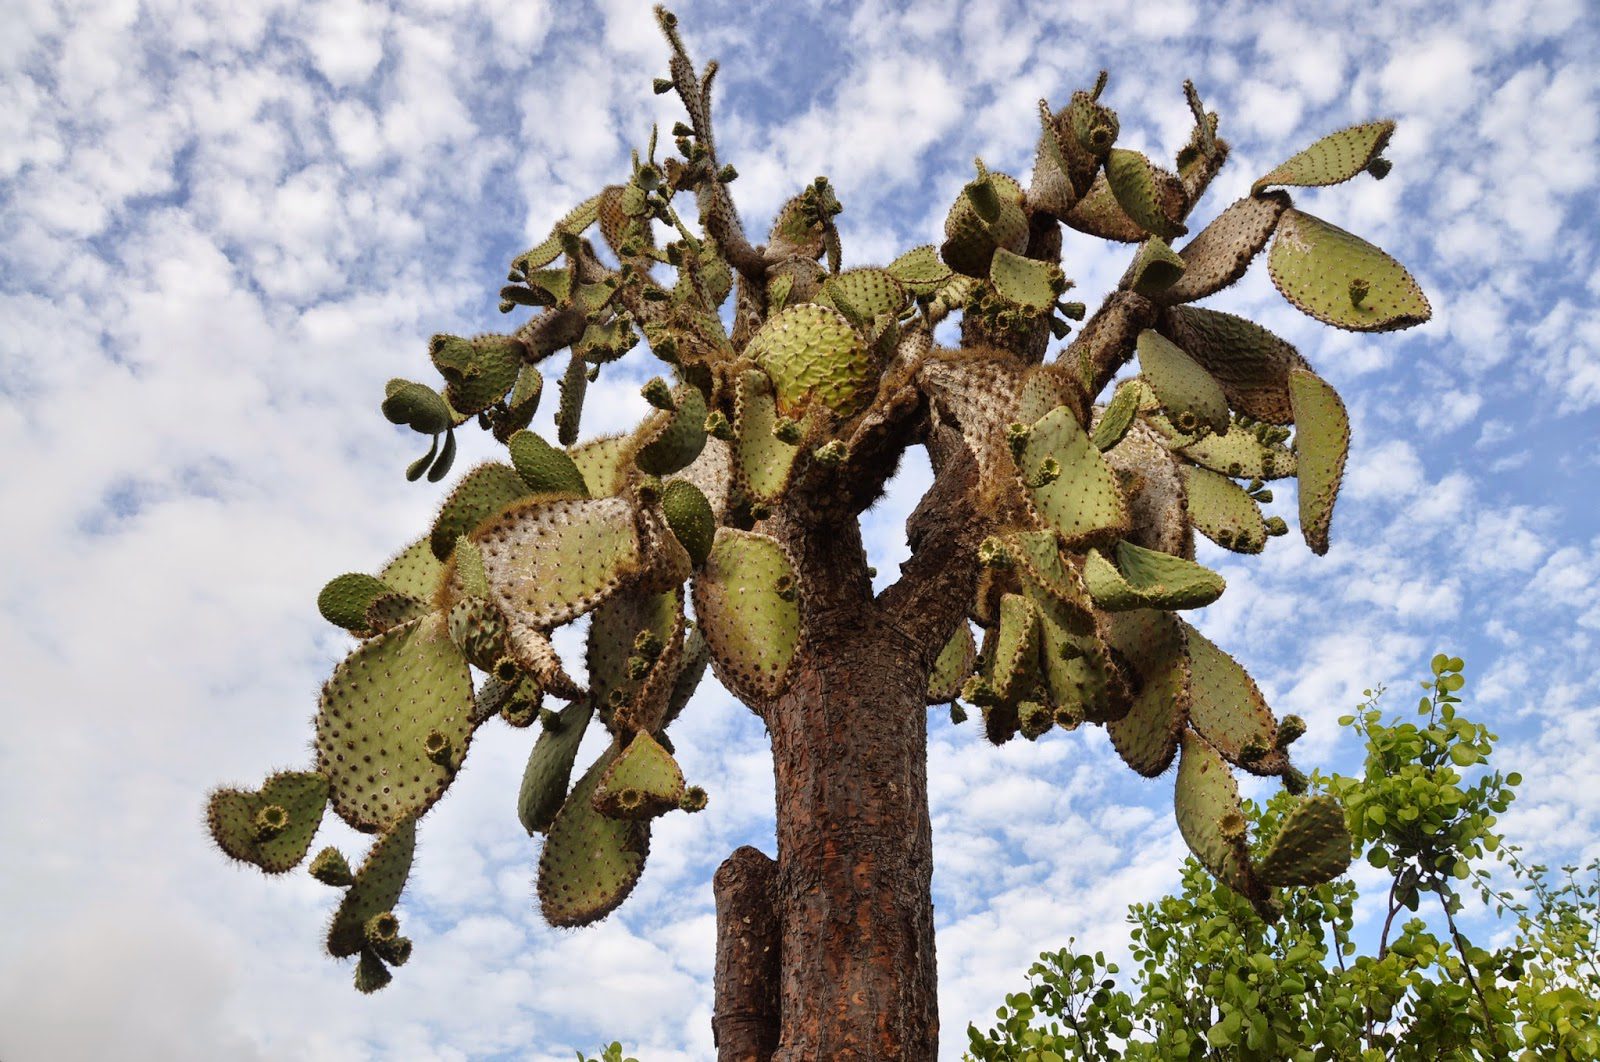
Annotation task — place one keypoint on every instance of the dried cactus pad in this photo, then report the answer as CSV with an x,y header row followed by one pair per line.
x,y
273,826
549,769
1083,504
1312,846
377,888
1341,279
1250,363
1152,642
1191,396
1147,578
642,783
748,611
812,353
378,712
1334,159
590,862
1209,817
549,562
1321,443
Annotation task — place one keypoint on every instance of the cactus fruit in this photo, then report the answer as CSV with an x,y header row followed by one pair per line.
x,y
377,711
544,468
1321,444
376,888
1146,578
812,354
550,561
549,769
1083,505
750,621
1334,159
1223,512
273,826
590,862
670,440
1193,399
644,781
1152,643
1314,264
954,664
484,491
1207,805
1312,846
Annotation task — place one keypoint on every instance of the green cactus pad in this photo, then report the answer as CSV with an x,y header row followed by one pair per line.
x,y
691,669
1223,512
1157,507
1251,363
391,610
377,711
1026,282
1321,444
1227,707
1015,662
611,653
550,561
569,407
482,492
642,783
1193,399
670,441
689,515
417,406
796,231
580,218
1037,556
1153,198
1098,213
1077,667
344,601
543,467
1206,800
744,599
1113,423
813,354
601,462
329,867
1316,265
377,888
235,817
478,372
1312,846
1334,159
970,241
414,571
953,666
864,294
1240,453
590,862
549,769
1152,643
1146,578
1224,249
920,270
1154,269
762,461
1083,505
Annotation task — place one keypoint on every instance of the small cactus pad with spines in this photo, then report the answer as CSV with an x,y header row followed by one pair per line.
x,y
1150,196
483,492
1193,399
1154,269
1114,422
762,461
549,562
590,862
271,827
1152,642
954,664
671,440
745,599
920,270
415,571
346,598
1027,282
549,769
1341,279
1222,251
544,468
1083,504
690,517
1312,846
1223,511
1226,707
1146,578
377,712
1334,159
644,781
377,888
1321,444
600,461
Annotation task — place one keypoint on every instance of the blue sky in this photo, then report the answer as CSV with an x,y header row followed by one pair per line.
x,y
224,227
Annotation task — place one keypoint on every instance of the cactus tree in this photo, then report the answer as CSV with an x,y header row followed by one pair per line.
x,y
724,530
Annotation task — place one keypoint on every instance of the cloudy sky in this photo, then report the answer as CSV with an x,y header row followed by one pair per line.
x,y
223,226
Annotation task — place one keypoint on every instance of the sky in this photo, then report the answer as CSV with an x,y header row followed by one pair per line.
x,y
223,227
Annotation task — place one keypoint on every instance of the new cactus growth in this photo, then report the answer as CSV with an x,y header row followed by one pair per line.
x,y
1060,521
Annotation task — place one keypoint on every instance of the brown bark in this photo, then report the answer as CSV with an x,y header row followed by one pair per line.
x,y
744,1026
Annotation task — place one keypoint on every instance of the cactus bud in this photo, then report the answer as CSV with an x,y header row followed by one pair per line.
x,y
1049,472
661,85
1379,168
958,714
786,430
395,952
727,175
1295,781
381,928
760,510
506,669
437,748
717,426
1264,495
330,868
648,645
638,668
1232,827
371,973
1069,718
681,129
271,821
1035,719
659,394
1017,438
1290,730
1358,291
694,799
832,454
1073,311
978,690
785,587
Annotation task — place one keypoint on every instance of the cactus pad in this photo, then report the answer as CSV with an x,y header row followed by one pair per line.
x,y
920,270
377,888
1341,279
579,218
689,515
745,601
641,783
1153,198
1312,846
1222,251
763,462
1223,512
590,863
813,354
1152,643
1321,444
483,492
273,826
549,769
864,294
550,561
346,598
414,571
622,671
478,372
1146,578
1226,706
954,664
971,239
377,712
1098,213
1334,159
1157,507
1014,662
670,440
600,462
1026,282
1193,399
1250,363
1154,269
1239,453
1113,422
1209,817
544,468
1083,504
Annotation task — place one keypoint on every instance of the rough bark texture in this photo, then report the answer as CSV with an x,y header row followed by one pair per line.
x,y
745,1024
